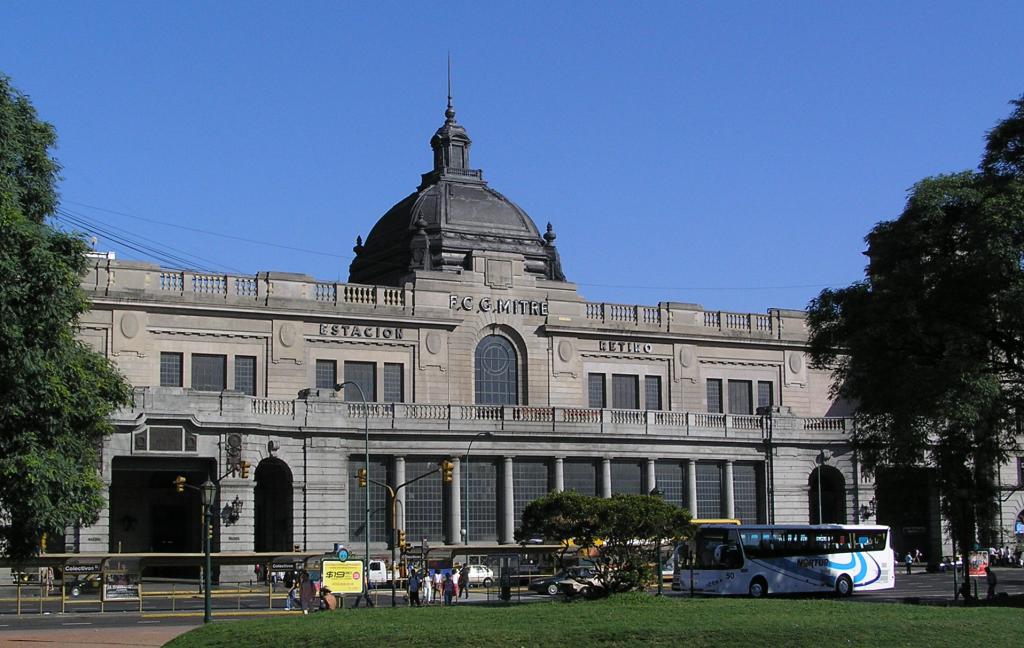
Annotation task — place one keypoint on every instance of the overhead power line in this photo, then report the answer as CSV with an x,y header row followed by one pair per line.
x,y
211,233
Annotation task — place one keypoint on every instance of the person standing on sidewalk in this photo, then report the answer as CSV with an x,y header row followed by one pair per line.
x,y
909,560
464,582
990,578
414,589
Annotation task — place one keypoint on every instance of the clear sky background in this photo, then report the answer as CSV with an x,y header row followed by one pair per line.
x,y
732,154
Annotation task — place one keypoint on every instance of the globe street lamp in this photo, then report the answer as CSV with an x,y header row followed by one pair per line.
x,y
209,493
465,484
366,469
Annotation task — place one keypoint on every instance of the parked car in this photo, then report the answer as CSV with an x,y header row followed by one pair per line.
x,y
549,585
481,575
581,582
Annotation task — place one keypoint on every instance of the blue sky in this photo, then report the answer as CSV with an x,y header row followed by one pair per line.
x,y
732,154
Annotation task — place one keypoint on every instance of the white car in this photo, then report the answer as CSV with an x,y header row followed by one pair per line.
x,y
481,575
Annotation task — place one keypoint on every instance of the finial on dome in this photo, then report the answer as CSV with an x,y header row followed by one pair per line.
x,y
549,235
449,114
359,245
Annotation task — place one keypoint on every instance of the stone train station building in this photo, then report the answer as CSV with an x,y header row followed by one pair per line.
x,y
460,327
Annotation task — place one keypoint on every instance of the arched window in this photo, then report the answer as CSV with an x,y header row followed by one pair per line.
x,y
497,375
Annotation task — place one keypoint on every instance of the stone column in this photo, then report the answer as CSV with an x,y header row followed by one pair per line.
x,y
559,484
691,486
730,499
508,517
606,477
651,478
400,495
455,501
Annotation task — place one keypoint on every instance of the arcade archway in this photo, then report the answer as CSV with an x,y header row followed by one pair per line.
x,y
828,507
273,506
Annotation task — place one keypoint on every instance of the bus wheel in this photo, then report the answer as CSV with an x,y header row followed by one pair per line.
x,y
844,586
758,588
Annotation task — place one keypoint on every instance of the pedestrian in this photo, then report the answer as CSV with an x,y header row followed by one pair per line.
x,y
49,579
910,561
454,576
427,587
414,589
327,600
438,585
307,591
292,602
990,578
448,588
464,582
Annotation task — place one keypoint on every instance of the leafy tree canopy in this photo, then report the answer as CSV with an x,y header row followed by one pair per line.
x,y
620,533
55,393
929,344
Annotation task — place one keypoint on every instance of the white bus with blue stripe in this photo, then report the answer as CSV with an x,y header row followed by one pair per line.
x,y
785,559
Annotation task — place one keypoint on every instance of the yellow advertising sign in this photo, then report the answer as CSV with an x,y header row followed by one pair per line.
x,y
343,576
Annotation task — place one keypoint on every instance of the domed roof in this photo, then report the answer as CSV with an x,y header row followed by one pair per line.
x,y
452,213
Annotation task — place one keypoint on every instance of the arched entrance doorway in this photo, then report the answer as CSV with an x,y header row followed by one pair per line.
x,y
273,515
830,506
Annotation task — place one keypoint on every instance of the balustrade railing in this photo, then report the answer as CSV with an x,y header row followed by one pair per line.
x,y
507,417
273,407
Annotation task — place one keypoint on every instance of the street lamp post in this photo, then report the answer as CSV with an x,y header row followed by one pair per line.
x,y
366,467
822,458
209,493
465,485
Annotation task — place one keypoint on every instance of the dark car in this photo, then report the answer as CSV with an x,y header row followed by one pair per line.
x,y
549,585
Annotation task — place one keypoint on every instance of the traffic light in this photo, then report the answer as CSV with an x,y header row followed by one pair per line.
x,y
446,471
361,474
209,530
179,484
402,544
244,468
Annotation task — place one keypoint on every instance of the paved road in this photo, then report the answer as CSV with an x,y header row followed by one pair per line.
x,y
129,628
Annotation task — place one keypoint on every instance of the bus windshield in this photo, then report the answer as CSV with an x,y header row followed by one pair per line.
x,y
717,548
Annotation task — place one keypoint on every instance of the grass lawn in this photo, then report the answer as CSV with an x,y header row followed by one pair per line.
x,y
631,619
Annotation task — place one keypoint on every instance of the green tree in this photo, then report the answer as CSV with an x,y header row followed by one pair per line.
x,y
55,393
619,533
929,344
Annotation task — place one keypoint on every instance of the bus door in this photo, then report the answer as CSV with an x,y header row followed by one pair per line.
x,y
718,557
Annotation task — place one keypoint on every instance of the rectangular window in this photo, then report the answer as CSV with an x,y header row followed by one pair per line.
x,y
709,490
579,475
363,374
627,478
480,489
671,481
170,369
652,392
394,385
209,372
714,395
530,482
378,500
424,510
326,374
740,397
245,374
625,390
765,397
746,480
595,390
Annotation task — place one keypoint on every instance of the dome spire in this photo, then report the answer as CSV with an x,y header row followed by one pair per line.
x,y
449,114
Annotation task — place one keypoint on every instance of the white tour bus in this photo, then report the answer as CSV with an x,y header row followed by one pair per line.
x,y
784,559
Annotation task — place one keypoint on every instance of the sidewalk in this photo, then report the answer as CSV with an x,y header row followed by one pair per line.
x,y
93,637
